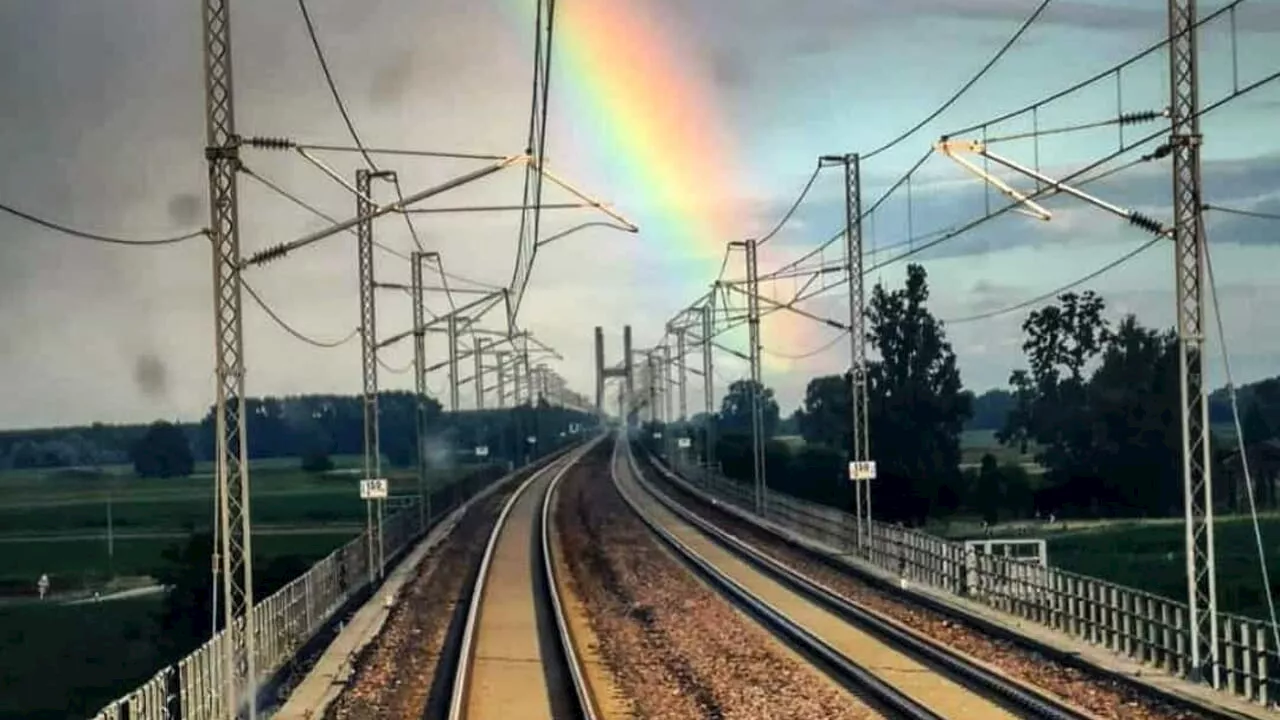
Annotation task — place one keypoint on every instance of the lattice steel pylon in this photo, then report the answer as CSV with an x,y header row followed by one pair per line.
x,y
416,270
860,438
708,380
757,409
231,463
1189,249
453,362
683,382
478,345
369,365
531,212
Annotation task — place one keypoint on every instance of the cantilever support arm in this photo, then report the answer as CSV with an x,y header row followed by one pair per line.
x,y
951,148
277,251
491,298
792,308
1150,224
627,225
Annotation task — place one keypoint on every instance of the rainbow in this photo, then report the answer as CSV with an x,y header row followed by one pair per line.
x,y
645,117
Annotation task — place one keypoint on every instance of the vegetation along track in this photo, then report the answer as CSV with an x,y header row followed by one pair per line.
x,y
663,643
1099,695
516,658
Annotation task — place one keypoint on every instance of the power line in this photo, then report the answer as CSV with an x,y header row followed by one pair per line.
x,y
902,180
289,328
811,353
1241,443
276,188
1077,176
1058,291
333,87
792,210
1245,213
51,225
395,370
1072,177
1095,77
964,88
396,151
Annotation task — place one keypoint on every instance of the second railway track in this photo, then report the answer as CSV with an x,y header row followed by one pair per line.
x,y
517,657
901,674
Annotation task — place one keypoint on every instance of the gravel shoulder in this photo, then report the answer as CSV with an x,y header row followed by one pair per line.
x,y
393,675
672,646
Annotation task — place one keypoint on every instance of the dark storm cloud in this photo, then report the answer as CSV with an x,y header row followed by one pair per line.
x,y
150,376
185,209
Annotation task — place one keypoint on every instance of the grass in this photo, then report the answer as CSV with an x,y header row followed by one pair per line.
x,y
59,661
69,661
73,503
76,564
1149,554
99,650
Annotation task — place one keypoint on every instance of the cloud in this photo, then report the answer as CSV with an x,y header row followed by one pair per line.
x,y
185,209
392,79
447,75
939,207
151,376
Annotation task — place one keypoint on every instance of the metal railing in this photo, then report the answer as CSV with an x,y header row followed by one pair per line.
x,y
1143,626
193,689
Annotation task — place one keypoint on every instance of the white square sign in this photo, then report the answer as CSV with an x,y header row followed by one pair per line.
x,y
684,443
482,451
373,489
862,470
657,436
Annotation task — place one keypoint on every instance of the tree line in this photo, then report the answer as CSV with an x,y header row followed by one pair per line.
x,y
1095,408
310,427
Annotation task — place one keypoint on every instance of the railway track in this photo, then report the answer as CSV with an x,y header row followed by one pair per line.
x,y
516,657
900,673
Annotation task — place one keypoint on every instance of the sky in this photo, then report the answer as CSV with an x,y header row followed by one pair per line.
x,y
699,122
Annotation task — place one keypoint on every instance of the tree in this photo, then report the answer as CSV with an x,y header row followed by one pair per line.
x,y
1134,424
162,452
988,491
1255,426
824,417
991,410
1050,403
735,409
917,404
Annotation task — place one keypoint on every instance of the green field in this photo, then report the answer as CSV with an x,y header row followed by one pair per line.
x,y
55,521
70,660
1148,554
60,661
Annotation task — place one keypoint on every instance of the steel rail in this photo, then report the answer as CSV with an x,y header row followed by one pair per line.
x,y
845,671
461,686
915,645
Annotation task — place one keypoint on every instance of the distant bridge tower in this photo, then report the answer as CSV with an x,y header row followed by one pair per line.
x,y
623,371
